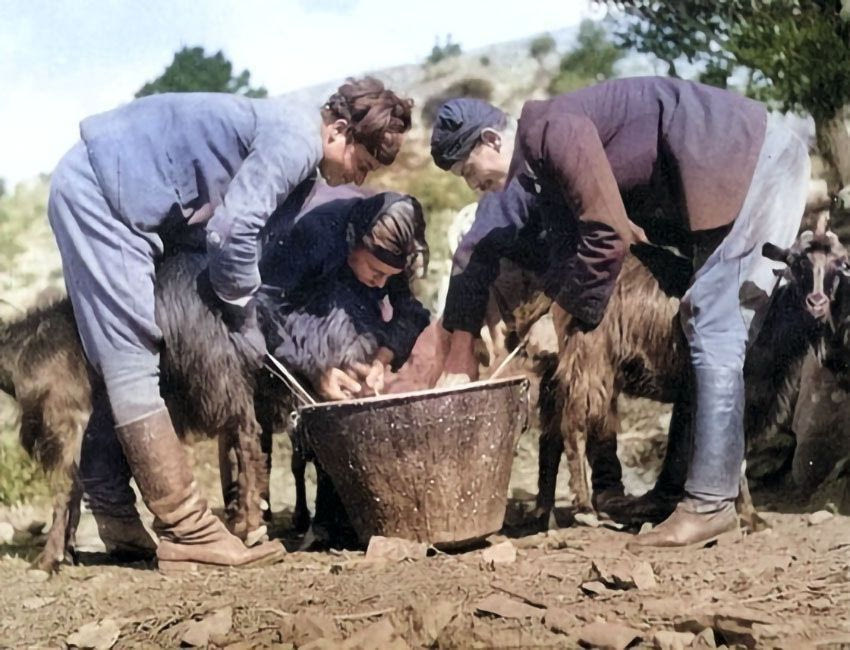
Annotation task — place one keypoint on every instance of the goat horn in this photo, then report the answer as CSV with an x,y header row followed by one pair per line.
x,y
776,253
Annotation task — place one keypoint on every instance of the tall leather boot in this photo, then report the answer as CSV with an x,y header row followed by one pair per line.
x,y
189,532
708,510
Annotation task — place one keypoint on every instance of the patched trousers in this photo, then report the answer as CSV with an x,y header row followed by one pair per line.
x,y
109,269
727,302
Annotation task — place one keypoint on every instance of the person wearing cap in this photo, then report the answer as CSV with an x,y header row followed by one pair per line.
x,y
669,161
336,304
141,173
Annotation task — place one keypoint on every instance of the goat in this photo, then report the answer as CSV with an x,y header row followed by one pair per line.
x,y
208,387
640,350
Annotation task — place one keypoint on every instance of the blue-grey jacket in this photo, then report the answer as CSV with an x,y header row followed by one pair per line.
x,y
205,156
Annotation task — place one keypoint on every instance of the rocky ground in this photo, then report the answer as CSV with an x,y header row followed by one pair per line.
x,y
788,586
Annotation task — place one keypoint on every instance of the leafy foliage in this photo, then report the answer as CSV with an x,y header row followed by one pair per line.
x,y
591,60
193,71
444,51
21,479
797,52
468,87
541,46
18,212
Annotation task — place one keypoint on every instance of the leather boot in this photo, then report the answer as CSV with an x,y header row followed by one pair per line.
x,y
691,524
122,535
189,533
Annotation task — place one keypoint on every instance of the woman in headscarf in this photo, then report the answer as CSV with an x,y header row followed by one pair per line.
x,y
336,305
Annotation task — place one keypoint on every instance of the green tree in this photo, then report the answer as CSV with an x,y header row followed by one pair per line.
x,y
193,71
445,51
795,53
591,60
541,46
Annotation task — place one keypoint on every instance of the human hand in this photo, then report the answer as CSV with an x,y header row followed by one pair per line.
x,y
241,321
245,330
371,374
335,384
461,366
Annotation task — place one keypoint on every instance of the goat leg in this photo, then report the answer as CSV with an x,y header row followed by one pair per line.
x,y
550,447
230,471
66,514
251,465
301,516
605,471
749,518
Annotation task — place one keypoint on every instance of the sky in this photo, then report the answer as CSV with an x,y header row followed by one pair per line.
x,y
61,60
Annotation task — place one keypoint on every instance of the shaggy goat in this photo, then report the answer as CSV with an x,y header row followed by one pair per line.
x,y
208,387
640,350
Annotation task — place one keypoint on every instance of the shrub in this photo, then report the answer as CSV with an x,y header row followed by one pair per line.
x,y
591,60
21,478
469,87
445,51
541,46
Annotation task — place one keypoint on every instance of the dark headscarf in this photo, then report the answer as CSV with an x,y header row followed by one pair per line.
x,y
458,126
392,227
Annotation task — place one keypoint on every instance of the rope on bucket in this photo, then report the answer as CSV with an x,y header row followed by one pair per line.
x,y
280,371
510,357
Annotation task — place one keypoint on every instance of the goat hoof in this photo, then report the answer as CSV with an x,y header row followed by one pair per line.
x,y
543,519
301,521
238,527
254,537
754,523
47,563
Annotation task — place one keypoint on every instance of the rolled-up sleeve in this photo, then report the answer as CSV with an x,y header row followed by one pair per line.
x,y
566,150
285,151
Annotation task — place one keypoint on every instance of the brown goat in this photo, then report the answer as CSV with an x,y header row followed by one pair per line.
x,y
640,350
206,384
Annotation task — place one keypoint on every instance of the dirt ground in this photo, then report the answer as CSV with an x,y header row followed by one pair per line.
x,y
788,586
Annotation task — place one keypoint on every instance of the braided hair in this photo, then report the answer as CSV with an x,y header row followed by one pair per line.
x,y
377,118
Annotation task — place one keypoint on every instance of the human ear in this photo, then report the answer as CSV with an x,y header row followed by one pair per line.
x,y
340,128
492,138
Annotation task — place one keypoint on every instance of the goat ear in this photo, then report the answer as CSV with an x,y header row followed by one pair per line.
x,y
775,253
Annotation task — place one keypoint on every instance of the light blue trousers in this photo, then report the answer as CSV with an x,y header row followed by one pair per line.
x,y
727,302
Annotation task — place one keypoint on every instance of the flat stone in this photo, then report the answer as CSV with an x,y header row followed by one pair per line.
x,y
502,553
505,607
669,640
395,549
217,624
7,532
559,619
608,636
97,635
378,636
819,517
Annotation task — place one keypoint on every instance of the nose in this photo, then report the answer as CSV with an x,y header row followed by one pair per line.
x,y
817,303
380,281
